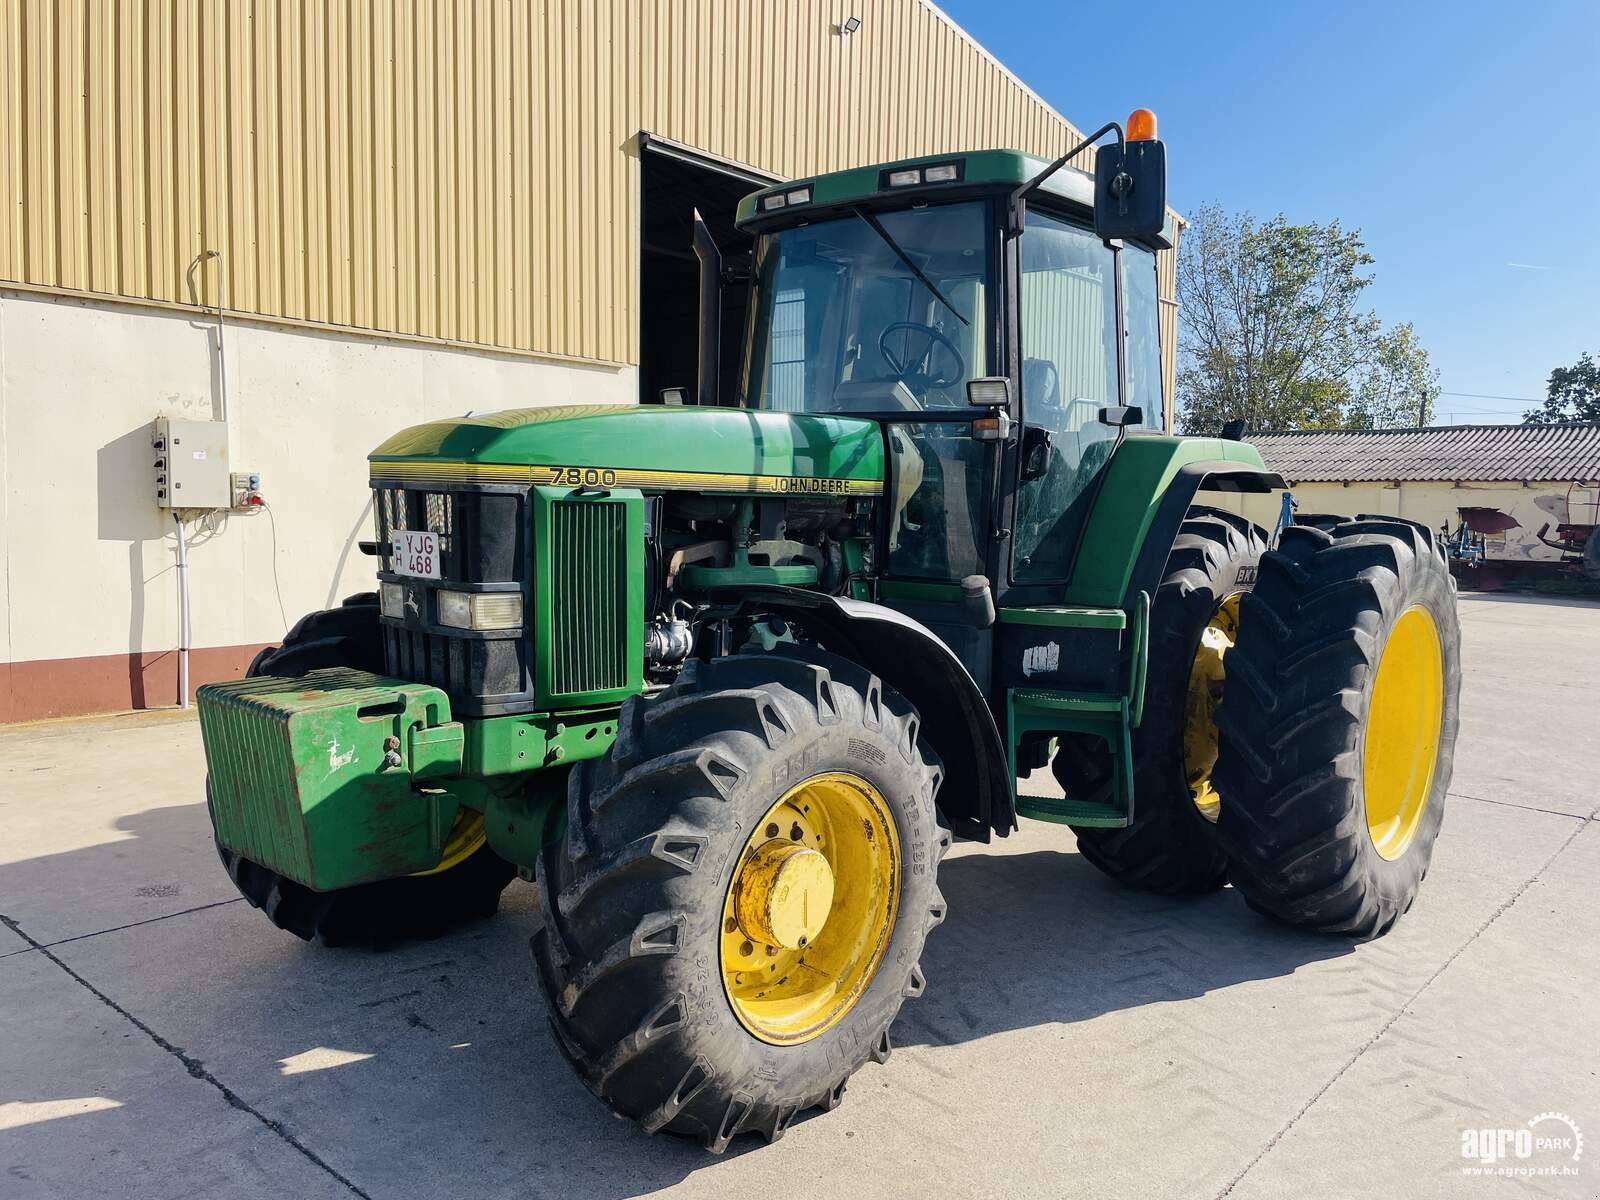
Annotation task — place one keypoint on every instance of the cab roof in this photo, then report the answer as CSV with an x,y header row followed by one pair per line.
x,y
976,171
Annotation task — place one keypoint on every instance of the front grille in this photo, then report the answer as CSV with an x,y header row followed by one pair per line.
x,y
578,562
589,646
481,534
483,539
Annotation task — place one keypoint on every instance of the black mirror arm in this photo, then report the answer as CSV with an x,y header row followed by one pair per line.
x,y
1020,196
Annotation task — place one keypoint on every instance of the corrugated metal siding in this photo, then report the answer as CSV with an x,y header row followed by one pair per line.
x,y
1064,324
1167,288
1467,453
459,169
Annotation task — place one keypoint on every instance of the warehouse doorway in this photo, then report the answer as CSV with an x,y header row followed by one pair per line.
x,y
677,180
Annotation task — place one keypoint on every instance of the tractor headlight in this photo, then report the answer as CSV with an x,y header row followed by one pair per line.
x,y
480,610
391,599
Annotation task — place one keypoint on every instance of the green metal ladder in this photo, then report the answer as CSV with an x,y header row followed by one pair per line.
x,y
1112,718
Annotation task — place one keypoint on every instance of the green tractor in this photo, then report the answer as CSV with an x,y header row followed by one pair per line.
x,y
724,679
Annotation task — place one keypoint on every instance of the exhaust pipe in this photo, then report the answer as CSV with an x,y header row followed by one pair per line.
x,y
705,249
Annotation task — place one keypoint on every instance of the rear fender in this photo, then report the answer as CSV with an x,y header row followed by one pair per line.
x,y
976,797
1138,508
1207,475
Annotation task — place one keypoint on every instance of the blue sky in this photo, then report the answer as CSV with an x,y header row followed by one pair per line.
x,y
1463,139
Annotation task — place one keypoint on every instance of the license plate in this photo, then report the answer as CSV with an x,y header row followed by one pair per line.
x,y
415,553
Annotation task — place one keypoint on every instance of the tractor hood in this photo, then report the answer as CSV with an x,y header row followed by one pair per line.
x,y
652,447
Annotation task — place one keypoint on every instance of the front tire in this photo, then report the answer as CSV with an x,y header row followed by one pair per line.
x,y
470,878
672,1011
1338,724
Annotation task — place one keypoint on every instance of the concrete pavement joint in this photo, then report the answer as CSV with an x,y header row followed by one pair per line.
x,y
191,1064
1554,812
182,912
1399,1012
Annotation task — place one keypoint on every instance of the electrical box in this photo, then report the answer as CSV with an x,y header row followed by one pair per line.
x,y
247,491
190,464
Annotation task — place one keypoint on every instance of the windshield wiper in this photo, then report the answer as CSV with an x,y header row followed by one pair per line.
x,y
877,227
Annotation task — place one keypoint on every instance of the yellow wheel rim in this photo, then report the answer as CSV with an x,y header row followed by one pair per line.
x,y
810,908
466,838
1200,705
1401,747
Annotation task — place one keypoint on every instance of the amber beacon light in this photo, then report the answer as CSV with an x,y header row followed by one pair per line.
x,y
1141,125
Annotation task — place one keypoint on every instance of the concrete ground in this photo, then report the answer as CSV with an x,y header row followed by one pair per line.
x,y
158,1038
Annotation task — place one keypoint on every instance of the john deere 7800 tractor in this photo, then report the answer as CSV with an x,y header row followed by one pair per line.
x,y
723,679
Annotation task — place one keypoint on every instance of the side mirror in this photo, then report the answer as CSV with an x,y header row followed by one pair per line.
x,y
1130,189
674,397
1119,415
990,391
1036,443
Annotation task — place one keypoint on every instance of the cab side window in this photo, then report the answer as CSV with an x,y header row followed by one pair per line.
x,y
1069,372
1140,301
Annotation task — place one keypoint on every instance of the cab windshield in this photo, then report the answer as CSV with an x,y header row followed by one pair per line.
x,y
872,312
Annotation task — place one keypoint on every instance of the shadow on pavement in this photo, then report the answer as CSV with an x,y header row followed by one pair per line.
x,y
404,1068
1043,937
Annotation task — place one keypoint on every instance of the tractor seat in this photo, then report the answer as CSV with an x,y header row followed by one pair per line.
x,y
1041,383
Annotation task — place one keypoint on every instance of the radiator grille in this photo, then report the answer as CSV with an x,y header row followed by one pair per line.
x,y
589,650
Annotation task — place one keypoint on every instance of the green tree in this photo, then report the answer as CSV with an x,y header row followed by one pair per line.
x,y
1573,394
1399,386
1272,331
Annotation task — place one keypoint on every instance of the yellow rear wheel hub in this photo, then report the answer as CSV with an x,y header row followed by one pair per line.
x,y
1200,705
810,908
1404,718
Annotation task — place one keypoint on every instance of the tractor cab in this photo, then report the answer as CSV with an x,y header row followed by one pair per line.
x,y
998,315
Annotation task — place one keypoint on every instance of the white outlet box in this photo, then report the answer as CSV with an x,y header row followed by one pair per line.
x,y
246,486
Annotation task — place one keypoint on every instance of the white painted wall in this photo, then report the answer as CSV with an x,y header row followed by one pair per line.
x,y
1433,504
87,557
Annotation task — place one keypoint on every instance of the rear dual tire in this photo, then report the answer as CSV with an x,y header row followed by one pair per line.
x,y
1338,724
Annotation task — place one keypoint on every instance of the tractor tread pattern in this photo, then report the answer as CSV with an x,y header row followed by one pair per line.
x,y
663,798
1291,722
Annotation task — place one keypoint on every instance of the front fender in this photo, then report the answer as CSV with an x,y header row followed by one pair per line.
x,y
977,796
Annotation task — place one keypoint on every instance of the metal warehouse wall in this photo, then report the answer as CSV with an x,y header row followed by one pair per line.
x,y
461,170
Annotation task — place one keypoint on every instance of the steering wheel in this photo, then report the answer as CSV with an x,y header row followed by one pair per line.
x,y
902,368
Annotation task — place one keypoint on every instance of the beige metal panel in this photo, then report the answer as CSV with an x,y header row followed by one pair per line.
x,y
13,255
465,170
1167,290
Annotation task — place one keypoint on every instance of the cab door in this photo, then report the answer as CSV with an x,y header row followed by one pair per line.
x,y
1067,334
